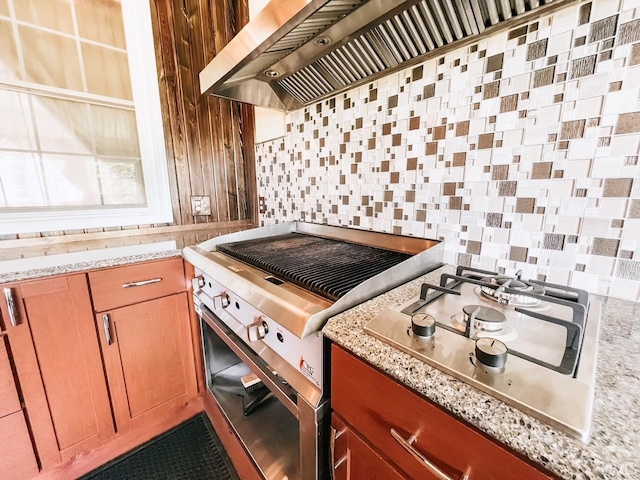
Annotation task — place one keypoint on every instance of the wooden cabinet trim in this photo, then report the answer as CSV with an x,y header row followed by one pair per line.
x,y
9,401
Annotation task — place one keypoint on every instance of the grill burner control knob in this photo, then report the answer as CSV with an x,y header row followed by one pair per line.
x,y
423,325
221,301
491,352
257,330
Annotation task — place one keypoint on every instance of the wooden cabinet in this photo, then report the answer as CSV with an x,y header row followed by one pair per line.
x,y
148,356
57,360
17,459
384,413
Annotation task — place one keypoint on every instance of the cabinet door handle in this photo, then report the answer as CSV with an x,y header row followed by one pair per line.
x,y
407,445
107,329
141,283
335,434
11,306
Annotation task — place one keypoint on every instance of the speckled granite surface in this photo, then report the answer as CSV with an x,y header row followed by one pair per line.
x,y
83,266
614,449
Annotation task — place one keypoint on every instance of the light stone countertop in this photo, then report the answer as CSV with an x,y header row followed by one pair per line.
x,y
614,449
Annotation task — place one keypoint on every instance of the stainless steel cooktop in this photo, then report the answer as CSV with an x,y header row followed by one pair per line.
x,y
531,344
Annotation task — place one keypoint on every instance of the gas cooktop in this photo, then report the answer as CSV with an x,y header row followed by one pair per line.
x,y
529,343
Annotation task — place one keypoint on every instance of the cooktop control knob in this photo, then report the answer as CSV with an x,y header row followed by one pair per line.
x,y
257,330
221,301
423,325
491,352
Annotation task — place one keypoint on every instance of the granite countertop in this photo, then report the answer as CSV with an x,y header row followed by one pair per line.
x,y
614,449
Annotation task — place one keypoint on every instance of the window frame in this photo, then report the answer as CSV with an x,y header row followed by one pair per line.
x,y
146,98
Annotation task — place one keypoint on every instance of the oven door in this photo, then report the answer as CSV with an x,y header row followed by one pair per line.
x,y
264,419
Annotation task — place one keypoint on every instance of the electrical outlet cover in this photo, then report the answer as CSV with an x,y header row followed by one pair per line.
x,y
200,205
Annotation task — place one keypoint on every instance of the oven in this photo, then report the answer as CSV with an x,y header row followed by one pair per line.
x,y
263,296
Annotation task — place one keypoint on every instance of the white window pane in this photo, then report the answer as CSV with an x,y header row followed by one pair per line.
x,y
4,8
71,180
122,182
101,21
63,126
20,180
50,59
53,14
9,64
107,71
115,131
16,129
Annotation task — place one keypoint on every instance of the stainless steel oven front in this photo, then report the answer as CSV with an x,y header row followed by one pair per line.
x,y
283,425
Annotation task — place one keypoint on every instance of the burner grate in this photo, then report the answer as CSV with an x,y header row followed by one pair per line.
x,y
329,268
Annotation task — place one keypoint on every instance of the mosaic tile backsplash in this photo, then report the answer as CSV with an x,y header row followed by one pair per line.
x,y
519,151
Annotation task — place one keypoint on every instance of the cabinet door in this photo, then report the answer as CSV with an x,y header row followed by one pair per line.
x,y
57,358
17,460
9,402
148,357
354,459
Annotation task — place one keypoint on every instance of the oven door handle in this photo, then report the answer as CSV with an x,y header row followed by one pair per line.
x,y
246,355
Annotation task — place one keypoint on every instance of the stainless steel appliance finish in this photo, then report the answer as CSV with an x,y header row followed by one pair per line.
x,y
296,52
255,320
535,375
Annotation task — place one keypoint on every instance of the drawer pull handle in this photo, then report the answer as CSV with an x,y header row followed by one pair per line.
x,y
407,445
141,283
11,306
335,434
107,329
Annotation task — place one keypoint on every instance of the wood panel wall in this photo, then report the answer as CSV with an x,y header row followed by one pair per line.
x,y
209,141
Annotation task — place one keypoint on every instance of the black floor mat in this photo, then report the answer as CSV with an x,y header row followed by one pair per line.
x,y
190,451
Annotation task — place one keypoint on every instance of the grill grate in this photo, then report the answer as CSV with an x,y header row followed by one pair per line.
x,y
329,268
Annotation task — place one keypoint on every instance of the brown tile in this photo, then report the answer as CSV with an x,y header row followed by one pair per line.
x,y
395,177
634,209
386,129
449,188
432,148
583,66
553,241
605,247
491,90
543,76
410,196
485,141
429,90
412,163
509,103
541,170
474,247
628,123
416,73
572,129
525,205
393,102
373,94
617,187
397,214
494,62
524,96
371,143
561,78
459,159
455,203
580,41
518,32
396,140
499,172
507,189
607,44
635,54
494,220
414,123
604,56
421,215
518,254
385,166
617,223
439,132
462,128
537,50
629,32
585,14
627,254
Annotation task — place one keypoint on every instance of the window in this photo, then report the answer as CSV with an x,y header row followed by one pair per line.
x,y
81,140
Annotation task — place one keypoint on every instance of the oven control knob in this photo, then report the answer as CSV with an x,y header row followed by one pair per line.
x,y
221,301
257,330
423,325
491,352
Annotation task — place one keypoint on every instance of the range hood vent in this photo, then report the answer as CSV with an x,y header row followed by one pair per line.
x,y
296,52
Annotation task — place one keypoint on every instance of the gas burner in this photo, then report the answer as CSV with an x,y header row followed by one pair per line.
x,y
512,298
484,318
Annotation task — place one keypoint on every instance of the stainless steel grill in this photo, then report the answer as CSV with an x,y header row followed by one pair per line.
x,y
328,267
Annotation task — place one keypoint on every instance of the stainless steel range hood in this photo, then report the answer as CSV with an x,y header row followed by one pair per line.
x,y
296,52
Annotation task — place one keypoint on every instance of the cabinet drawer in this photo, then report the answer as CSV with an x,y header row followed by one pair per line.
x,y
374,404
17,459
120,286
9,402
